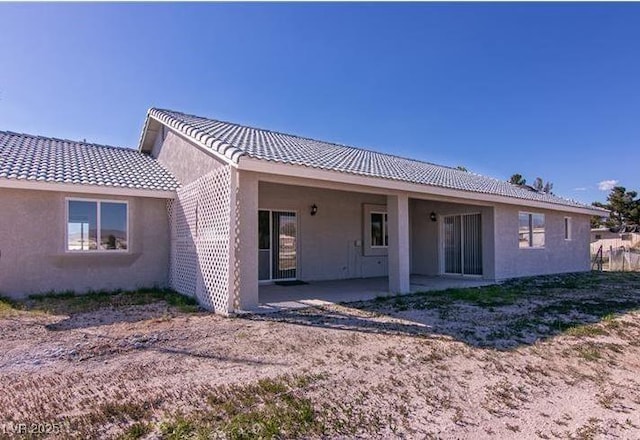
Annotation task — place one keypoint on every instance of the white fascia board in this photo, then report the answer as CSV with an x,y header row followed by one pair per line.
x,y
210,151
85,189
146,132
379,185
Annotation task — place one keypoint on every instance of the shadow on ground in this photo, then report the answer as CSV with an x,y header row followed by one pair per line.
x,y
110,316
506,316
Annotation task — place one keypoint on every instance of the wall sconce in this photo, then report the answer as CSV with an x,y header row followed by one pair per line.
x,y
314,209
433,216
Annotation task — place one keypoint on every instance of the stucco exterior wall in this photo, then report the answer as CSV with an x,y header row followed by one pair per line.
x,y
32,247
330,243
425,235
184,160
558,255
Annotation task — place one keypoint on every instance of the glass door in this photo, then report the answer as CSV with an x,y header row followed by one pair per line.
x,y
452,245
277,245
285,244
462,238
264,245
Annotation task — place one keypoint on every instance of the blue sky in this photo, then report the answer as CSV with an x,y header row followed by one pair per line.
x,y
549,90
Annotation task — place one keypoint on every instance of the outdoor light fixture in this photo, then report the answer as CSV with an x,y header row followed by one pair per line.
x,y
433,216
314,209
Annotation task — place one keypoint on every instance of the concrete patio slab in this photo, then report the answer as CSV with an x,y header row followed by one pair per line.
x,y
274,298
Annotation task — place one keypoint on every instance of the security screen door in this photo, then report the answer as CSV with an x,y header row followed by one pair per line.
x,y
463,244
277,245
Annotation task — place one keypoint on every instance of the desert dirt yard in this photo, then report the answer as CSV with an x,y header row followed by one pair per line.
x,y
550,357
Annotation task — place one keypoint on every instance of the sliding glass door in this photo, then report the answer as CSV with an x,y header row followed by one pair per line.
x,y
462,243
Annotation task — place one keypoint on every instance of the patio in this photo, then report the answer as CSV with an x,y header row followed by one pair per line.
x,y
274,297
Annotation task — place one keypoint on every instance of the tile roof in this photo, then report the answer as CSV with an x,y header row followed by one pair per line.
x,y
234,141
43,159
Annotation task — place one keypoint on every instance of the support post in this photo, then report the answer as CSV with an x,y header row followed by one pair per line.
x,y
398,227
247,242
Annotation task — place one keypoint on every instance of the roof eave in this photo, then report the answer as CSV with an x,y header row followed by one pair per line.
x,y
223,151
147,136
390,186
76,188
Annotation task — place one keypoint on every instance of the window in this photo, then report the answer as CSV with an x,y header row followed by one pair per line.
x,y
97,226
379,230
567,228
531,230
375,236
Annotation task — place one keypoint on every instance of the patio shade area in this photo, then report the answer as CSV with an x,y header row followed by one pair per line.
x,y
275,297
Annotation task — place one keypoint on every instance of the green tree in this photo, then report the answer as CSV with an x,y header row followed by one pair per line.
x,y
538,184
623,206
517,179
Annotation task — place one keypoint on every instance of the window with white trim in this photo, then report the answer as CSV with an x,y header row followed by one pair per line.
x,y
567,228
379,230
375,236
97,225
531,230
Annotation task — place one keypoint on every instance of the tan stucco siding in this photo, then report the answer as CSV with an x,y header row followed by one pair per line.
x,y
426,241
330,243
184,160
32,246
558,255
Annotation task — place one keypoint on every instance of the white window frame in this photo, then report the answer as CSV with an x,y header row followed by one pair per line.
x,y
367,249
531,214
568,228
272,280
98,225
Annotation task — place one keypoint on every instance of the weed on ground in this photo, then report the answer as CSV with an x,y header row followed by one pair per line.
x,y
548,357
70,302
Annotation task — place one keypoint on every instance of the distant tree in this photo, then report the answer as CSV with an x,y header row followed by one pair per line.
x,y
517,179
596,220
538,184
623,206
461,168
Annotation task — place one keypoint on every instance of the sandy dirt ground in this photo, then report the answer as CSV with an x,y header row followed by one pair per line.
x,y
562,361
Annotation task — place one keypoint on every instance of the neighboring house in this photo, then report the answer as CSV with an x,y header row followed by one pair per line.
x,y
213,209
615,238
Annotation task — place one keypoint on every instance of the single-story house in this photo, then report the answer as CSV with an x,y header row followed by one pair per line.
x,y
630,233
627,236
214,209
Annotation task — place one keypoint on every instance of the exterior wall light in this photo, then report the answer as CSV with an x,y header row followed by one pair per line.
x,y
314,209
433,216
